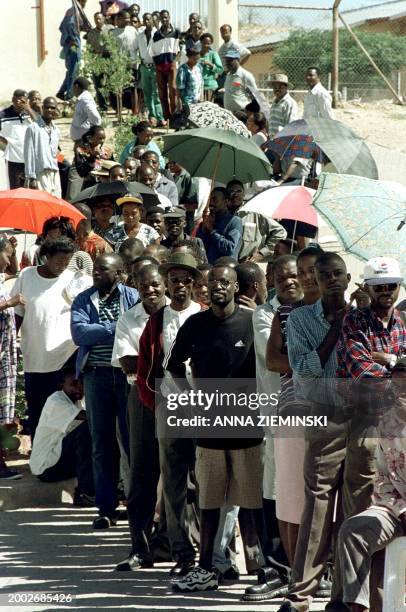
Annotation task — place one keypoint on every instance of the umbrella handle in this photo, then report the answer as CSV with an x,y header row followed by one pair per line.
x,y
213,180
293,237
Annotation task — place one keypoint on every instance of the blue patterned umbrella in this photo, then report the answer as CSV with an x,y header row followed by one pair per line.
x,y
346,150
366,215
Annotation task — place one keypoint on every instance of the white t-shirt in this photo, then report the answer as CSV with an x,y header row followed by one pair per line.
x,y
129,329
57,420
46,342
173,320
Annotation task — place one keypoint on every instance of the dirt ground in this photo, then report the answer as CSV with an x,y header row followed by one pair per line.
x,y
383,123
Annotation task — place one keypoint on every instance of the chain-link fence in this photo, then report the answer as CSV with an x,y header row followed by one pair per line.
x,y
290,39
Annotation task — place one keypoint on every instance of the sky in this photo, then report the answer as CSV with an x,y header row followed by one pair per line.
x,y
344,6
305,19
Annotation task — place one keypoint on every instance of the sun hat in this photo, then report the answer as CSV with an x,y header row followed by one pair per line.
x,y
279,78
382,271
129,199
185,261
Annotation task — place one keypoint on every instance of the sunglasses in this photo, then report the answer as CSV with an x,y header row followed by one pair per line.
x,y
384,288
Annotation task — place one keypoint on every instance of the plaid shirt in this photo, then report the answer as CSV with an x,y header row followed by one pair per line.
x,y
290,147
282,112
362,334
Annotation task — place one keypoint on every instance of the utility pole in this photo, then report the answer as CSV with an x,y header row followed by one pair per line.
x,y
336,52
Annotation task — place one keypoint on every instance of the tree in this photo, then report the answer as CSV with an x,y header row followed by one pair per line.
x,y
306,48
115,66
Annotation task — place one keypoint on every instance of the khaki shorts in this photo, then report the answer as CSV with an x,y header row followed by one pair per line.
x,y
231,477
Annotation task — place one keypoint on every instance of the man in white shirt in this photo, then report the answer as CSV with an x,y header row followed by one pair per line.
x,y
317,101
62,446
147,70
125,34
86,113
237,84
14,121
228,45
176,455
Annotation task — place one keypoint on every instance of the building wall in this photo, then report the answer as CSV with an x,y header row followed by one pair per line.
x,y
393,26
259,63
20,38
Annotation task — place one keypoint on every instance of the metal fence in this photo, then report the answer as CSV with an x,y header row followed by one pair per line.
x,y
179,10
290,39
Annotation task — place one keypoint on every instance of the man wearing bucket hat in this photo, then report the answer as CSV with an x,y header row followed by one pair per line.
x,y
283,108
237,83
176,455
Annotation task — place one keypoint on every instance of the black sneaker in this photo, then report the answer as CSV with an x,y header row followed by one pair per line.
x,y
7,474
82,500
198,579
104,522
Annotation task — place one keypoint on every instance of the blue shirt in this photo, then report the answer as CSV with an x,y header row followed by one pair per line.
x,y
225,239
151,146
306,328
189,81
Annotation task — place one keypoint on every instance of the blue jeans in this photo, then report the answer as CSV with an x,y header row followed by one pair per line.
x,y
106,392
228,519
72,61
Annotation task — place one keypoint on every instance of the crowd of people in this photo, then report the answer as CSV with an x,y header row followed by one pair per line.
x,y
139,301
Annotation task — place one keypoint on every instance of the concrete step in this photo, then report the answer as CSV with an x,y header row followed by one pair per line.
x,y
29,492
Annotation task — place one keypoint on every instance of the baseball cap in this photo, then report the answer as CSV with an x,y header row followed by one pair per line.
x,y
176,213
233,54
381,271
129,199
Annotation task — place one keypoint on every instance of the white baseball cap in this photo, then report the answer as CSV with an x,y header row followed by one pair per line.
x,y
381,271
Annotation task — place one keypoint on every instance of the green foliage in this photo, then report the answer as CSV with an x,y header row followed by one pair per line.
x,y
20,404
305,48
116,67
123,134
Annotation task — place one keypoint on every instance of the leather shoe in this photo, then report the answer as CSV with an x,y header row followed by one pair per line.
x,y
132,563
181,568
324,589
273,586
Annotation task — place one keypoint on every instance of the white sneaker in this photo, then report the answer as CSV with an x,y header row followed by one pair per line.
x,y
198,579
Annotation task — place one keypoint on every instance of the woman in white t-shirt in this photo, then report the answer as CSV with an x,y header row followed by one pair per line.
x,y
44,320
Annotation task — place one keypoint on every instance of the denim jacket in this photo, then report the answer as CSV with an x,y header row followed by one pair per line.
x,y
86,329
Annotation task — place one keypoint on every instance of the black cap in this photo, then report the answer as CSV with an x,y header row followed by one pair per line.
x,y
176,213
19,93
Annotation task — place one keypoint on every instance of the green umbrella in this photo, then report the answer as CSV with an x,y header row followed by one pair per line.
x,y
217,154
368,216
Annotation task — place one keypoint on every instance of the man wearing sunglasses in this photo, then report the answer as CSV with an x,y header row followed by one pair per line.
x,y
373,339
371,347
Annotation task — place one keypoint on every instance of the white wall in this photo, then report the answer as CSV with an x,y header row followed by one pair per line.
x,y
20,44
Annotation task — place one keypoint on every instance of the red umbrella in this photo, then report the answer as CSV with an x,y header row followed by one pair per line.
x,y
297,206
28,209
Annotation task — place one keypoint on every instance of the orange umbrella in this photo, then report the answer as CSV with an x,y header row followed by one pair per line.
x,y
27,209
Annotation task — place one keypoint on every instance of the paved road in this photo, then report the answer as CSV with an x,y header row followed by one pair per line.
x,y
56,549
